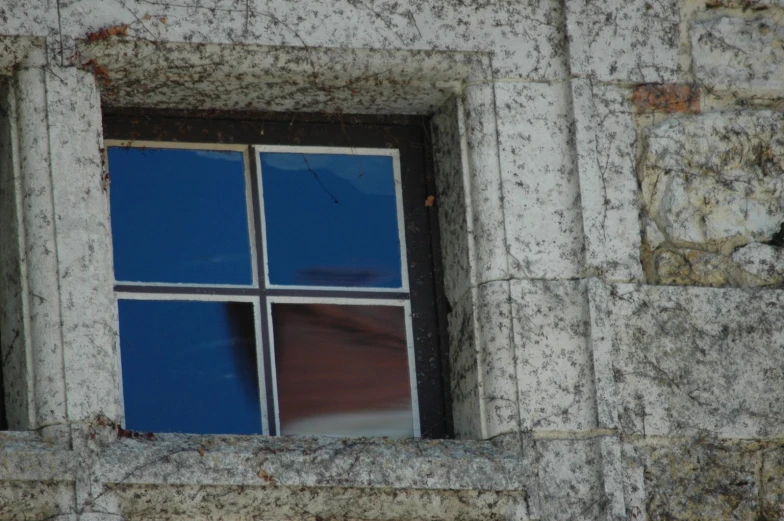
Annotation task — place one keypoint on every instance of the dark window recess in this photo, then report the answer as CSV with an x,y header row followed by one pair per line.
x,y
277,274
3,416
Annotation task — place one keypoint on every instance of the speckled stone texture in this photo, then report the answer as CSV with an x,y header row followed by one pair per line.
x,y
609,194
13,336
527,37
260,77
454,220
712,187
14,49
554,363
464,364
735,53
667,360
540,187
703,478
177,475
624,40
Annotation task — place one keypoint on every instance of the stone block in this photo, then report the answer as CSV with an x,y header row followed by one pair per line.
x,y
745,5
734,53
680,361
28,18
666,98
763,260
570,480
18,49
36,500
622,40
139,501
464,369
269,462
14,336
84,251
486,195
691,267
554,363
455,226
695,479
772,482
527,39
540,184
139,72
497,359
606,141
42,315
716,178
239,476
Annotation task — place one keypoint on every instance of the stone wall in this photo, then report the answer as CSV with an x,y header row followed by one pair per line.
x,y
610,181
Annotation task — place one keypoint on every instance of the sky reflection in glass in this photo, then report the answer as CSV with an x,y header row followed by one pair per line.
x,y
179,216
189,367
331,220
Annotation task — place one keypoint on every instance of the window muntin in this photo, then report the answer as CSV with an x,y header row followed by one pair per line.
x,y
408,135
176,414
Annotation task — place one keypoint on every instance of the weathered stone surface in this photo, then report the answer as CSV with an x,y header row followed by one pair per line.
x,y
554,364
497,358
455,219
540,184
653,236
491,245
614,493
467,406
14,337
746,5
666,98
28,17
283,504
716,178
309,462
736,53
695,479
763,260
570,474
364,479
43,312
624,40
257,77
527,39
22,500
432,479
690,267
754,265
16,49
771,482
666,360
608,184
84,251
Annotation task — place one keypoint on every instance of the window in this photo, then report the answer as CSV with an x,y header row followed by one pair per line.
x,y
277,275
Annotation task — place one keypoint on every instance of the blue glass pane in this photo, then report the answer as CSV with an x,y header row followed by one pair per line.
x,y
331,220
179,216
189,367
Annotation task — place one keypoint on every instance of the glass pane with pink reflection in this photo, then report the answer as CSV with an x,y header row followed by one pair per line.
x,y
342,370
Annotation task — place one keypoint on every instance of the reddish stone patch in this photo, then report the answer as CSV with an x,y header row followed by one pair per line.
x,y
668,97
